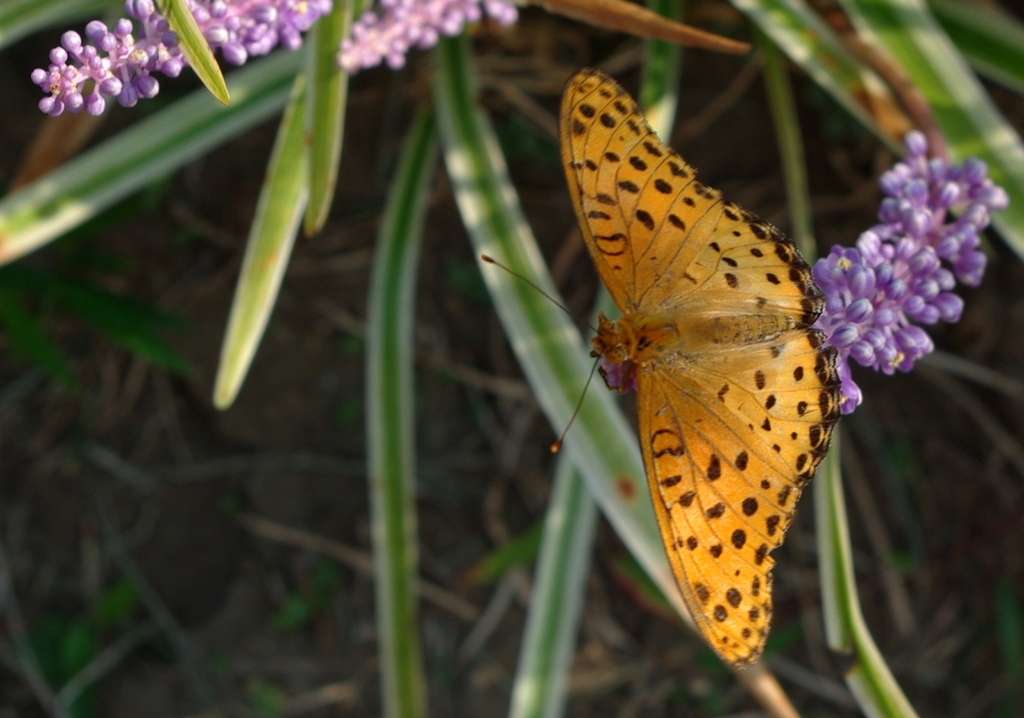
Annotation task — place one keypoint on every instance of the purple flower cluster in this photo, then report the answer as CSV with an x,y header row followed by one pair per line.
x,y
896,277
119,64
404,24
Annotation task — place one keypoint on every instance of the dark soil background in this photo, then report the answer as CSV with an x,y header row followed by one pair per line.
x,y
136,480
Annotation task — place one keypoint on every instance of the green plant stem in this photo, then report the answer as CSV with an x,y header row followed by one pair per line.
x,y
390,424
791,147
868,677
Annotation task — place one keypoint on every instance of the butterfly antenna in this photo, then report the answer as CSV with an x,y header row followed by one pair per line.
x,y
517,275
557,444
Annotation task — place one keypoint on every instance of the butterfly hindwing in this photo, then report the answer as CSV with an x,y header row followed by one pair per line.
x,y
704,482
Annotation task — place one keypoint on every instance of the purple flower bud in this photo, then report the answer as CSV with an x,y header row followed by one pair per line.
x,y
216,35
937,169
970,268
128,97
121,66
387,34
895,277
995,198
140,9
71,41
885,316
945,279
975,215
889,211
74,101
834,305
911,339
234,53
948,194
844,336
851,396
973,170
924,287
913,304
863,353
924,261
96,31
917,222
915,144
173,66
886,355
860,310
927,314
876,338
146,86
95,104
51,106
884,275
265,14
890,183
897,289
917,192
862,281
949,246
950,306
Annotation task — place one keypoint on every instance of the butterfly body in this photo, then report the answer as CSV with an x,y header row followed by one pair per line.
x,y
642,338
736,394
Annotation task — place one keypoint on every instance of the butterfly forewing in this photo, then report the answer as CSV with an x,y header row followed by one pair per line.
x,y
637,198
732,425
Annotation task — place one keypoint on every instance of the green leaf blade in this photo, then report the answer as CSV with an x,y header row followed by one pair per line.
x,y
269,247
391,453
195,47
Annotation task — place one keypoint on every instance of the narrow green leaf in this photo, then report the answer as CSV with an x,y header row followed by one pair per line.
x,y
556,604
963,110
869,678
640,589
1009,626
269,247
991,39
26,336
790,143
19,18
520,551
800,32
567,543
659,86
195,47
390,423
326,111
549,348
78,190
132,324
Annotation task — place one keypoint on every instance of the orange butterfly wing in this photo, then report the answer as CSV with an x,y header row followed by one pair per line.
x,y
731,429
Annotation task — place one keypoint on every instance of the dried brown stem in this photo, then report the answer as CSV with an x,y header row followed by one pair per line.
x,y
357,560
637,20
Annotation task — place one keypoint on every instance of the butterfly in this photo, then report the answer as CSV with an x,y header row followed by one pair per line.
x,y
737,395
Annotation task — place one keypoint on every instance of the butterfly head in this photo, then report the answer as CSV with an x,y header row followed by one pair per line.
x,y
614,346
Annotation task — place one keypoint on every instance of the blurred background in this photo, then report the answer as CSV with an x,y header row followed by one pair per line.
x,y
194,560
